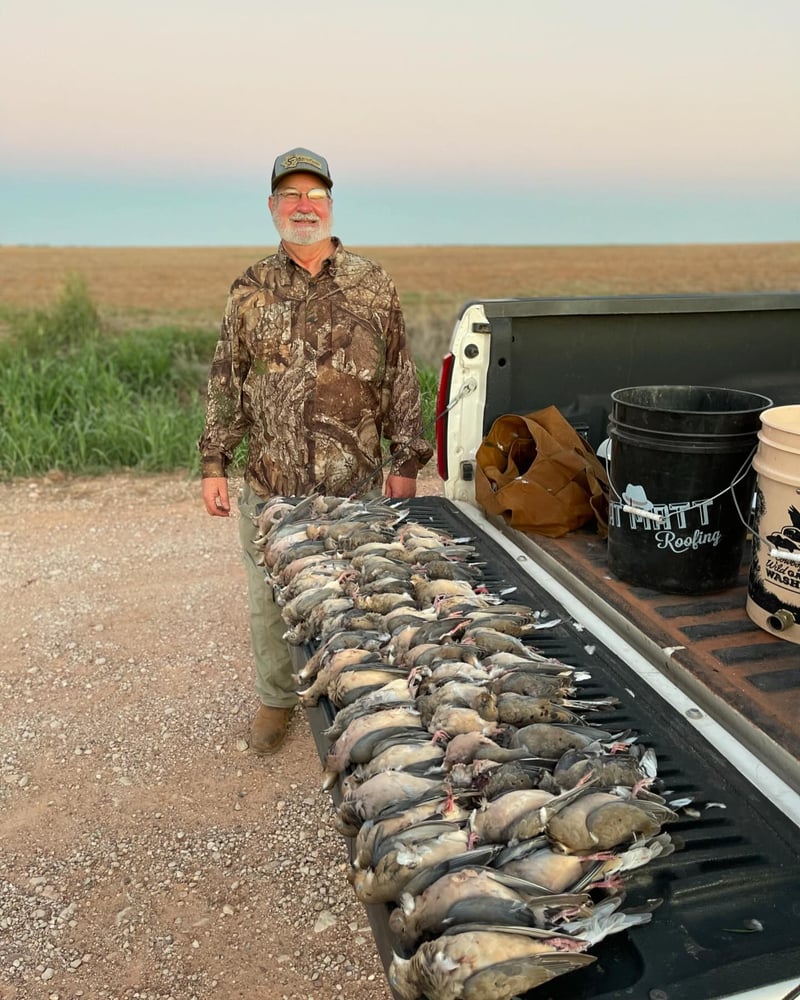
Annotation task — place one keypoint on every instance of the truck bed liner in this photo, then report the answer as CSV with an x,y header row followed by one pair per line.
x,y
728,920
710,640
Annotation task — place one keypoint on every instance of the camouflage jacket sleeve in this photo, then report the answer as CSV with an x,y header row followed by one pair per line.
x,y
226,424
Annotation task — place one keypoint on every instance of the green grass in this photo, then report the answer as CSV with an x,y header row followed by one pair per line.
x,y
75,398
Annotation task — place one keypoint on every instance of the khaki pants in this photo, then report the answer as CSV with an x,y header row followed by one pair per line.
x,y
273,663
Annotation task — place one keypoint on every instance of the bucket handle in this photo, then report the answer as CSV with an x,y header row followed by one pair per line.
x,y
775,553
742,472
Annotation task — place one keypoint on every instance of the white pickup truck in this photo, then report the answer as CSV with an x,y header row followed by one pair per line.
x,y
717,696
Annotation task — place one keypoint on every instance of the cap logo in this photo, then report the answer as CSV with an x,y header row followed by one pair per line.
x,y
295,160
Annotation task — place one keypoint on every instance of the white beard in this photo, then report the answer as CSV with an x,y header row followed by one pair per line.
x,y
299,235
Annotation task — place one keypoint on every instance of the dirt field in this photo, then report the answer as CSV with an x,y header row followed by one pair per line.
x,y
195,281
145,852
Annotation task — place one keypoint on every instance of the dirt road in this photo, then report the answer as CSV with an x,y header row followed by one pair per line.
x,y
145,852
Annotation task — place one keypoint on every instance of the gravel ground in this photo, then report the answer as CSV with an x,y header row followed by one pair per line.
x,y
145,852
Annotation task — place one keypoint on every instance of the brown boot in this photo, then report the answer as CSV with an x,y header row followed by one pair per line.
x,y
268,729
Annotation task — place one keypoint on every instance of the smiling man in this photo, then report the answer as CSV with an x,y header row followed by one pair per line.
x,y
312,366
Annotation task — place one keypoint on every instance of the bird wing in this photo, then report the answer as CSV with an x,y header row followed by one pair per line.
x,y
505,979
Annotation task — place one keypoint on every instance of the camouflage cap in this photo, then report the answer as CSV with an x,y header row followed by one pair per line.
x,y
301,160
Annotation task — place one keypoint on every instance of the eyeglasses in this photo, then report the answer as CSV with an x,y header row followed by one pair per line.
x,y
293,196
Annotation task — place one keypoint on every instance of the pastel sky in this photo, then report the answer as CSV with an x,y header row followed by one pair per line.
x,y
156,122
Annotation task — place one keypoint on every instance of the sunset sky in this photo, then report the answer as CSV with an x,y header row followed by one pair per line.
x,y
444,121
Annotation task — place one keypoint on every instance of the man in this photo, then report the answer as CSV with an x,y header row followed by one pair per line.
x,y
313,367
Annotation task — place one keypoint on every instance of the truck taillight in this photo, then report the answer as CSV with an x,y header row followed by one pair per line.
x,y
442,400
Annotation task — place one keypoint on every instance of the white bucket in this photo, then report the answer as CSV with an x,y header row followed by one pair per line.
x,y
773,593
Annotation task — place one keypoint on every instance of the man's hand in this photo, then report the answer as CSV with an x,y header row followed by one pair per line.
x,y
400,486
215,496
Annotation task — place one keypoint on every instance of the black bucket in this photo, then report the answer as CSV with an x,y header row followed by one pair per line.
x,y
680,474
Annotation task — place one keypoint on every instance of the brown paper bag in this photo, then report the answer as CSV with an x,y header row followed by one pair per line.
x,y
541,475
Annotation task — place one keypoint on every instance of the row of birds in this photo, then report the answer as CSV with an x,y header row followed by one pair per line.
x,y
488,813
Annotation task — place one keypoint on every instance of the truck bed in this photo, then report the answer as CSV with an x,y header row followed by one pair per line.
x,y
708,645
726,923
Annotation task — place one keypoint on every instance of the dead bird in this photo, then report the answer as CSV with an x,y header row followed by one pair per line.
x,y
400,755
532,683
353,683
427,590
310,627
451,569
298,609
357,741
518,815
490,640
382,603
450,720
419,847
334,664
457,694
522,710
547,740
485,963
429,679
430,654
512,776
599,821
393,693
536,862
476,745
364,801
480,895
502,660
402,816
366,641
631,769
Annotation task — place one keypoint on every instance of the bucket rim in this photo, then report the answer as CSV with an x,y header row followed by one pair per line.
x,y
765,404
773,416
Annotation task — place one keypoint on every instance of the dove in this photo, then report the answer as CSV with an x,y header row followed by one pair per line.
x,y
478,895
298,609
536,862
521,710
396,818
423,846
518,815
352,685
532,683
364,641
513,775
547,740
428,590
384,788
484,964
490,640
392,693
356,742
454,719
599,821
429,677
383,603
400,756
336,662
609,768
463,748
452,569
456,693
310,626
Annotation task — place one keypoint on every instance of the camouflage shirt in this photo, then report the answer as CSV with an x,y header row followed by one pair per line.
x,y
315,370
